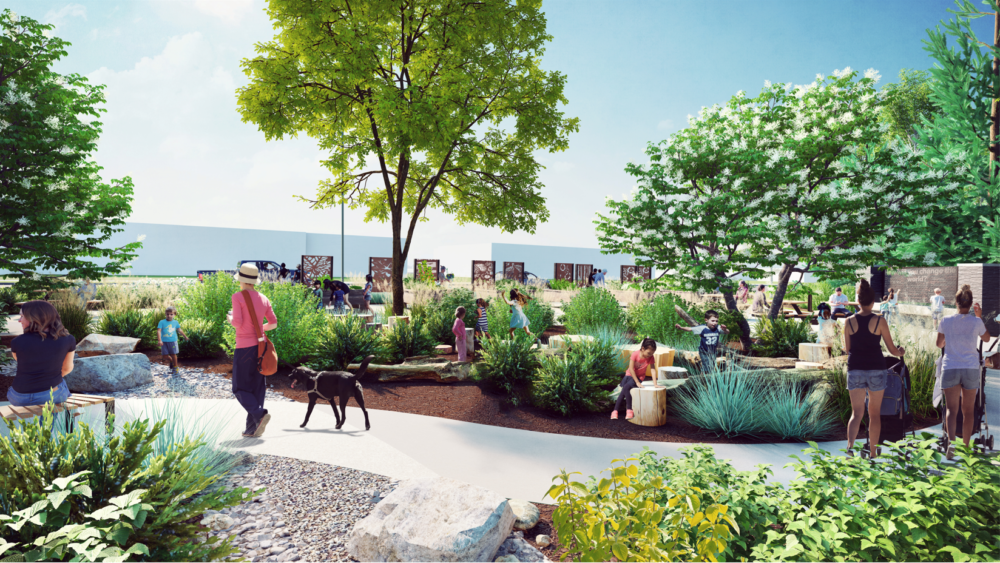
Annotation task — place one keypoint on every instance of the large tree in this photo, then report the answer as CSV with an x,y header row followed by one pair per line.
x,y
424,87
961,142
781,181
55,212
907,104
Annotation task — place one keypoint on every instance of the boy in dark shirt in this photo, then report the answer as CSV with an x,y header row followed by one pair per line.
x,y
709,332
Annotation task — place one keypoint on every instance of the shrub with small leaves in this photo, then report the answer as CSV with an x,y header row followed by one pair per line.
x,y
562,285
592,307
204,339
780,337
566,386
540,316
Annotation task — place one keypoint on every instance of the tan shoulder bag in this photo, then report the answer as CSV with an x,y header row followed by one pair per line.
x,y
267,356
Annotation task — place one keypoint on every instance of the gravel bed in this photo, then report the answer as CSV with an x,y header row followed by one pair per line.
x,y
189,382
305,513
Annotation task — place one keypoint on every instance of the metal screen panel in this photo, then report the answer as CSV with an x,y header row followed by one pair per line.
x,y
513,271
315,267
434,264
483,272
629,273
564,272
381,272
583,274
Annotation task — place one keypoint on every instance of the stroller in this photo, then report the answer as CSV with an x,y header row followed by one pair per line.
x,y
895,416
980,421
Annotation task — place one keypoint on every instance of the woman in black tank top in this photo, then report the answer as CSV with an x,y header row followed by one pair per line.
x,y
866,370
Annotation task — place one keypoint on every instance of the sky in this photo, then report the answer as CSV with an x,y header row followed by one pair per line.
x,y
636,70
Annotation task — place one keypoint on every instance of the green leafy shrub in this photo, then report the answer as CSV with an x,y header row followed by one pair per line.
x,y
176,471
734,401
562,285
508,365
638,519
211,299
602,356
298,321
51,536
657,321
204,339
439,314
8,297
74,317
540,316
404,340
780,337
752,499
910,506
592,307
345,339
132,323
566,385
634,314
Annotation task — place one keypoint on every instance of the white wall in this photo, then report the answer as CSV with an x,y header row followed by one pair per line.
x,y
170,250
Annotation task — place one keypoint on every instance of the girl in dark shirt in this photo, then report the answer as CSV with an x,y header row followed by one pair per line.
x,y
866,369
44,355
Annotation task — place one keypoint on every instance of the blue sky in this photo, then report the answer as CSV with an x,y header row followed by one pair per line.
x,y
636,69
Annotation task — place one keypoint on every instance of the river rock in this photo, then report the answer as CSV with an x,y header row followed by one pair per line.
x,y
106,374
107,344
433,519
543,540
520,549
525,514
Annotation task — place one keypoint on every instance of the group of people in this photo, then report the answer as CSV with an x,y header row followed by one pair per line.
x,y
340,294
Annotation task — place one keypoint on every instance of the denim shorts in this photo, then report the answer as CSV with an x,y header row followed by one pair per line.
x,y
169,349
59,395
870,379
937,315
968,378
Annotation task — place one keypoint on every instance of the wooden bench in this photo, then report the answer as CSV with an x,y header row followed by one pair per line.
x,y
75,401
95,304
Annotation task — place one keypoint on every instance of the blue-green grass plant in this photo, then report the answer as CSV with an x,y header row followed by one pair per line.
x,y
725,402
790,413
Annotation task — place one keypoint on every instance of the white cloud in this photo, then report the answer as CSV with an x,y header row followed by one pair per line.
x,y
229,11
665,125
62,16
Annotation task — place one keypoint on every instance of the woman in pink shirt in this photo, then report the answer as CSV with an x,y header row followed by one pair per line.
x,y
248,383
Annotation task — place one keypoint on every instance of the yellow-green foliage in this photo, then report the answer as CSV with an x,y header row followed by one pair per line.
x,y
638,519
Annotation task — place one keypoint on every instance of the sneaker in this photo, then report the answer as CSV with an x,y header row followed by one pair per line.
x,y
614,415
951,453
260,425
249,432
850,452
629,414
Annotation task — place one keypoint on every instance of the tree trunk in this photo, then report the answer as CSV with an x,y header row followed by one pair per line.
x,y
779,292
683,314
398,265
744,325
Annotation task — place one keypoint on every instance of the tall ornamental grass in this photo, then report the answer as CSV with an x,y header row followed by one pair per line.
x,y
204,339
74,317
404,340
540,316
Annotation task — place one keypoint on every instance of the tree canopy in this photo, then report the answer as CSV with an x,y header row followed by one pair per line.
x,y
965,225
780,180
424,88
55,212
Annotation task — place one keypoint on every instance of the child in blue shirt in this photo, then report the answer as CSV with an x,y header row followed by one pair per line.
x,y
709,345
338,300
166,333
318,294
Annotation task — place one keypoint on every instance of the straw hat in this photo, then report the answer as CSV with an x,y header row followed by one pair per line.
x,y
247,274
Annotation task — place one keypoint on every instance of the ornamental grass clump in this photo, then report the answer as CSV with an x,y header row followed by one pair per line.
x,y
345,339
540,315
508,365
590,308
74,317
132,323
568,385
404,340
174,469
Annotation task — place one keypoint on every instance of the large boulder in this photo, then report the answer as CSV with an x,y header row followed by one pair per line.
x,y
105,374
107,344
433,519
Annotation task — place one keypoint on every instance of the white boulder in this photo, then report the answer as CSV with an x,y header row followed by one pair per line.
x,y
106,374
433,519
109,344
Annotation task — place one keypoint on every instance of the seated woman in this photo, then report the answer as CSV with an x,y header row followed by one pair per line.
x,y
44,355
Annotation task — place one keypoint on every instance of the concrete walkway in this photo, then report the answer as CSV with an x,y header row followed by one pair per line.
x,y
514,463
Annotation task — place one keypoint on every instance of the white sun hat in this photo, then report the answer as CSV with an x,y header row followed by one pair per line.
x,y
248,274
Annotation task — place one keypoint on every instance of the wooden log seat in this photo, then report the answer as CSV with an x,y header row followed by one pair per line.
x,y
74,402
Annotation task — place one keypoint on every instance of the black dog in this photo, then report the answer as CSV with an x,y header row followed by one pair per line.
x,y
332,384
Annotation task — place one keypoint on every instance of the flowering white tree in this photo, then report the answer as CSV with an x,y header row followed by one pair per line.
x,y
54,210
783,180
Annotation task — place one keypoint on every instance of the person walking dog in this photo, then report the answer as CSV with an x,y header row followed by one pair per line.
x,y
44,356
248,383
